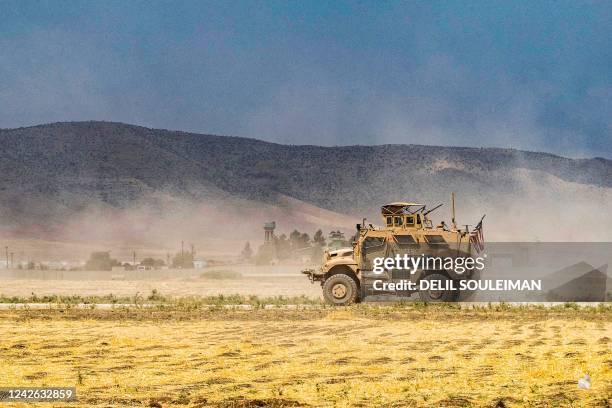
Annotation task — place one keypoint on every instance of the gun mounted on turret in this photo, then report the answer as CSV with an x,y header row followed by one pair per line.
x,y
433,209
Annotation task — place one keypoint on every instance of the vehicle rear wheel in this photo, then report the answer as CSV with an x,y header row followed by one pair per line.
x,y
439,293
340,290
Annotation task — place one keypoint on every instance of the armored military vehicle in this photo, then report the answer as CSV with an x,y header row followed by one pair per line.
x,y
337,240
348,275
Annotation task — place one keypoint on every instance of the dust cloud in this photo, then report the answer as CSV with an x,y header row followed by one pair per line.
x,y
540,207
549,209
218,228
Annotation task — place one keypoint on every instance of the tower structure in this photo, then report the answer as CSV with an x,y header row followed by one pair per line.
x,y
269,231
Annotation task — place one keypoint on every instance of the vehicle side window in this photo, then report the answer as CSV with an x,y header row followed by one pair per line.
x,y
435,240
389,221
410,220
398,221
373,242
418,219
405,240
372,247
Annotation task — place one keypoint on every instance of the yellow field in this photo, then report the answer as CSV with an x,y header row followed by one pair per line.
x,y
362,356
260,286
260,280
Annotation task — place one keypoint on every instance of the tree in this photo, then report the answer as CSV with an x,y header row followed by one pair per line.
x,y
148,262
283,247
100,261
183,260
265,254
319,238
247,252
298,240
294,238
317,249
152,263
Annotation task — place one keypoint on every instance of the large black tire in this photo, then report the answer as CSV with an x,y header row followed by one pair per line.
x,y
340,290
436,296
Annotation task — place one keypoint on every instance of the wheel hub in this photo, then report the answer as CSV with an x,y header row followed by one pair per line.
x,y
436,294
339,290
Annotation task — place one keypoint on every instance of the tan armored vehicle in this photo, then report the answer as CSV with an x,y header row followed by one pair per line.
x,y
348,275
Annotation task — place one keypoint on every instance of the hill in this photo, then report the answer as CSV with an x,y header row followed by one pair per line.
x,y
52,173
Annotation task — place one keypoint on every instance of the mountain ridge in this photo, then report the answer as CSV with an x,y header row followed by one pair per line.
x,y
51,172
254,139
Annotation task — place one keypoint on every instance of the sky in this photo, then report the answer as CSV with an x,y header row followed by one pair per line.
x,y
523,74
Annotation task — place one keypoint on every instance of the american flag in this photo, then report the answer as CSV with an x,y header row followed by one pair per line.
x,y
477,238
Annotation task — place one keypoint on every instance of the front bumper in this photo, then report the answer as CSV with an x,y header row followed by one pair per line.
x,y
313,275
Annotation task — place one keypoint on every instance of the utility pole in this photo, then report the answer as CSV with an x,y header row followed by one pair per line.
x,y
182,254
453,222
134,258
192,251
7,258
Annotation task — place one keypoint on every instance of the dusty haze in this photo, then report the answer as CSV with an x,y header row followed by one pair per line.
x,y
70,188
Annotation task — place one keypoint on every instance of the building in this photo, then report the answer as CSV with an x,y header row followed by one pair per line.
x,y
199,263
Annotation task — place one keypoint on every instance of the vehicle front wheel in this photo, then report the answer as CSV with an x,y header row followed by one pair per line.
x,y
440,293
340,290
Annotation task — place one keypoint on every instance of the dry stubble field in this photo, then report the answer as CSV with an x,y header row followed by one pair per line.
x,y
410,355
259,286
